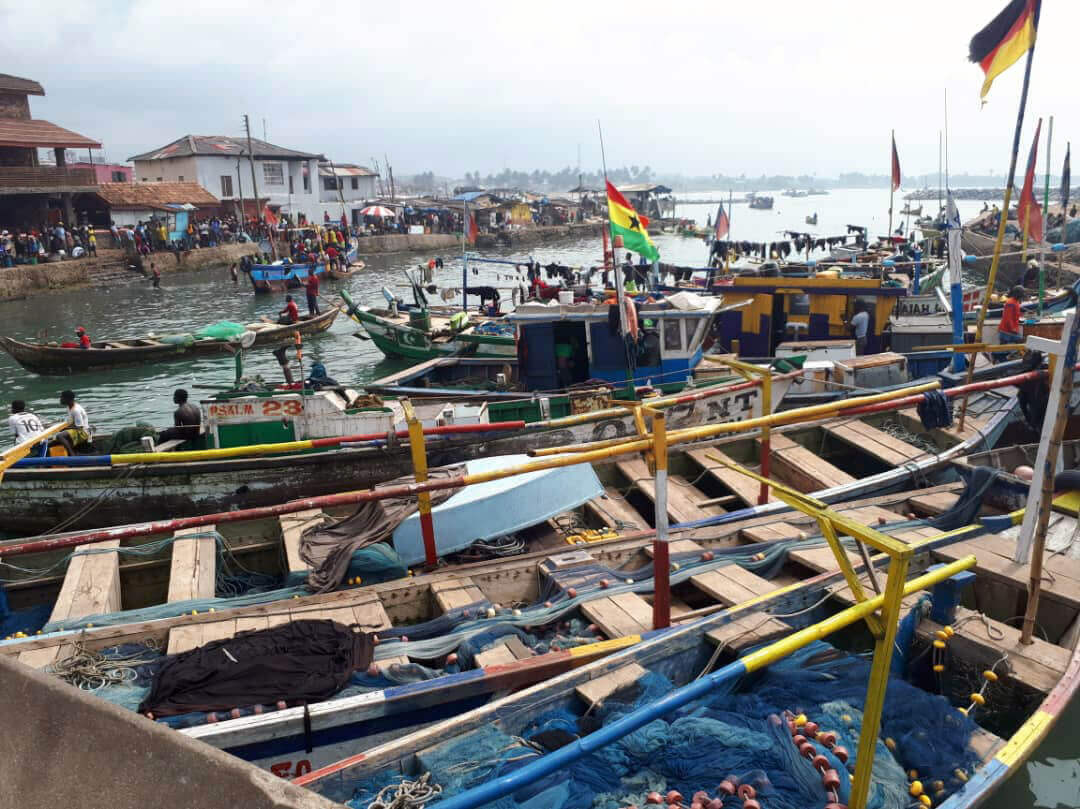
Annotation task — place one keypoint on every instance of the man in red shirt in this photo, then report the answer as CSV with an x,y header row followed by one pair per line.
x,y
84,338
1009,330
290,314
311,286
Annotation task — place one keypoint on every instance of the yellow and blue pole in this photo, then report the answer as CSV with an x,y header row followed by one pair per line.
x,y
22,449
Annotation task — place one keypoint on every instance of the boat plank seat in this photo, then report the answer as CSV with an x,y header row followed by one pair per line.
x,y
743,487
994,555
770,532
451,594
821,560
874,442
193,570
116,344
801,468
292,527
620,615
933,504
727,585
1038,665
746,630
506,650
594,692
91,584
613,511
682,497
973,425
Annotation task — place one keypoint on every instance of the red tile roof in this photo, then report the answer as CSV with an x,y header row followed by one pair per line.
x,y
155,195
34,133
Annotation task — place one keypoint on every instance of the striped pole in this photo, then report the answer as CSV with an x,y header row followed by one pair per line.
x,y
661,557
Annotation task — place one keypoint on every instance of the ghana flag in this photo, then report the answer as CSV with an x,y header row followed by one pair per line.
x,y
629,224
1008,37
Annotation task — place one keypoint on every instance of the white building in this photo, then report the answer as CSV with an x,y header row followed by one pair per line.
x,y
345,184
287,181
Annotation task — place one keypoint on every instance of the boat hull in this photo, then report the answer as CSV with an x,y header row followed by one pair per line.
x,y
405,342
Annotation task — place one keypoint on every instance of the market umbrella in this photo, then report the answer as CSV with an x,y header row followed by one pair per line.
x,y
377,210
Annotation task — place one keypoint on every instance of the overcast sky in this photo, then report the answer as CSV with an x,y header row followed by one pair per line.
x,y
767,86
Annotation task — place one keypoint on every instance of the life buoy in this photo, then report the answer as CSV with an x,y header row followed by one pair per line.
x,y
631,316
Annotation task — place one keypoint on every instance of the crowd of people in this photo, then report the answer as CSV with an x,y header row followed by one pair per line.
x,y
45,243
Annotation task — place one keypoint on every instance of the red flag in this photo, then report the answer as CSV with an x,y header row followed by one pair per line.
x,y
723,224
616,196
471,230
895,165
1028,206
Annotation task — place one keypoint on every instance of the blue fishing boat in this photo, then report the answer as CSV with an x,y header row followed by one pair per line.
x,y
285,274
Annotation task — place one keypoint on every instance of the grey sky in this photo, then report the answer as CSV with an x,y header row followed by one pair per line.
x,y
766,86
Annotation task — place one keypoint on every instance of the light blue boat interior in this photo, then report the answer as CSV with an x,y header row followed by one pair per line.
x,y
489,510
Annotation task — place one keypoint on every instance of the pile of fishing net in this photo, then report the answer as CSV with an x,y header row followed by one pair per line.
x,y
222,330
739,736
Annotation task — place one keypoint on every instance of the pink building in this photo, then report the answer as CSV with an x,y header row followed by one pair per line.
x,y
108,172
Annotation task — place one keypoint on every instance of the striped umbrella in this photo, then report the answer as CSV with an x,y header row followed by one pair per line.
x,y
377,210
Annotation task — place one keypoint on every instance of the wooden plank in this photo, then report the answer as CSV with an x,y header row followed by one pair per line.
x,y
453,594
185,638
621,615
677,546
771,532
731,584
931,505
612,509
252,623
193,570
682,497
821,560
746,630
1038,665
874,442
292,526
797,466
40,658
746,489
497,655
984,743
371,616
973,425
594,692
91,583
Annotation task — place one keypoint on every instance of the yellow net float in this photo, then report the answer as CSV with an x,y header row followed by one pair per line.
x,y
990,676
939,667
978,698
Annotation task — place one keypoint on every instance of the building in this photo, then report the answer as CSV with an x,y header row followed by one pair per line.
x,y
286,179
345,184
131,203
107,172
31,192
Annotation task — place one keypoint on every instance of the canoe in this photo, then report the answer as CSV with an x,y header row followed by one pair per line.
x,y
439,602
708,722
280,277
340,273
38,495
105,354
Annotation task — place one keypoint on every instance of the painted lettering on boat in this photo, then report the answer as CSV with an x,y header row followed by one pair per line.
x,y
285,769
271,408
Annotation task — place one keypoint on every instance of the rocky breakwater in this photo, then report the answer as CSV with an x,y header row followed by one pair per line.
x,y
424,242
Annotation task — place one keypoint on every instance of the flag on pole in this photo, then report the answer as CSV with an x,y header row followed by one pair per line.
x,y
471,230
629,224
1066,178
1028,212
895,166
723,224
1008,36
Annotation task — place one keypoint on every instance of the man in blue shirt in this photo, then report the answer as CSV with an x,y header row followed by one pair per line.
x,y
860,325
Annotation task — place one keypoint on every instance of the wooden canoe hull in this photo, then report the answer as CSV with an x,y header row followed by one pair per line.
x,y
54,360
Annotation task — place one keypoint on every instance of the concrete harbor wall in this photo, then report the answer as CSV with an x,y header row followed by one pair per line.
x,y
64,747
108,267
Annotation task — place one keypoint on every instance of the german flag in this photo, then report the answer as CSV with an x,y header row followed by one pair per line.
x,y
628,223
1008,36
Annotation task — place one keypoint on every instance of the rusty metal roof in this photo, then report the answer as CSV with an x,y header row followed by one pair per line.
x,y
155,195
15,84
223,146
35,133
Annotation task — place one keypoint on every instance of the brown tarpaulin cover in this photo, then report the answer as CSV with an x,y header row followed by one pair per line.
x,y
328,549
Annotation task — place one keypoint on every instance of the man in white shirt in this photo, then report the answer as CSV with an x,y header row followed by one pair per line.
x,y
79,432
24,424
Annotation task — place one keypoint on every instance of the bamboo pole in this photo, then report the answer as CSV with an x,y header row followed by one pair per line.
x,y
992,276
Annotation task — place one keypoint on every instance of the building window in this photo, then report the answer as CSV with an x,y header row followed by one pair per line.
x,y
291,191
159,179
180,178
672,334
273,174
226,185
330,183
118,177
307,181
355,183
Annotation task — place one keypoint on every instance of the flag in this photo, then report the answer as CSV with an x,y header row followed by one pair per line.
x,y
1028,210
629,224
723,224
1008,36
471,230
1066,178
895,165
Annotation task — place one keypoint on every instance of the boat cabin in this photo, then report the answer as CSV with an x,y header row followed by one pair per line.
x,y
781,309
568,344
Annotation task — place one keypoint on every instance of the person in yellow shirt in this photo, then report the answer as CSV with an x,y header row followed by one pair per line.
x,y
91,241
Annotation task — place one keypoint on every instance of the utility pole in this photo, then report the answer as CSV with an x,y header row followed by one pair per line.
x,y
240,192
251,160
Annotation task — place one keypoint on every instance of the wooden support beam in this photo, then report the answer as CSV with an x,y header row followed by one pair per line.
x,y
193,570
91,584
292,527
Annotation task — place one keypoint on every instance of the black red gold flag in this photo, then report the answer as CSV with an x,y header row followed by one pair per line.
x,y
1008,37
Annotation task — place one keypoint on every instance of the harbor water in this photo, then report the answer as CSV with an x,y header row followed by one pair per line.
x,y
188,301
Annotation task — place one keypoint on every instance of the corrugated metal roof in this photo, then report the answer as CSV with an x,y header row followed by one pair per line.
x,y
345,171
223,145
15,84
35,133
636,188
155,195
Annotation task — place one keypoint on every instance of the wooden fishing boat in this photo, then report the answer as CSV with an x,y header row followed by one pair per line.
x,y
49,359
284,275
340,272
983,727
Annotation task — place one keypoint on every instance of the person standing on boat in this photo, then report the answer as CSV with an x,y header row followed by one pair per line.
x,y
290,314
84,338
79,432
860,325
1009,328
311,286
24,424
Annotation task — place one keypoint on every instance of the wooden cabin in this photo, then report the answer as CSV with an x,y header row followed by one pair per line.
x,y
783,309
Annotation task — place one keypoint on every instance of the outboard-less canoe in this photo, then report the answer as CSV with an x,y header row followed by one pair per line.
x,y
104,354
